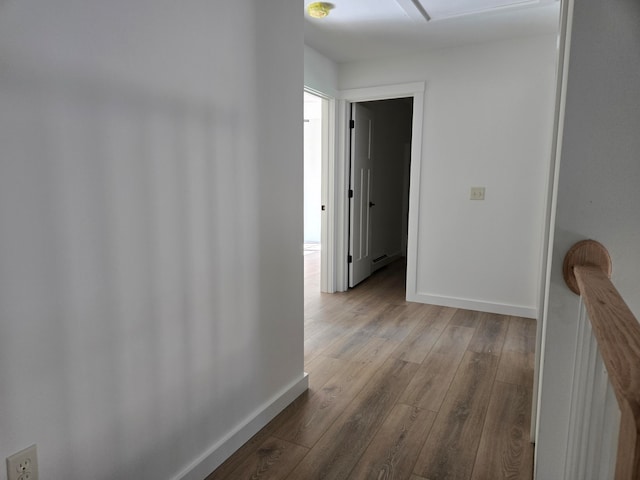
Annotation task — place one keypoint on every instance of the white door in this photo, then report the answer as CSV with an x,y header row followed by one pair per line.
x,y
360,194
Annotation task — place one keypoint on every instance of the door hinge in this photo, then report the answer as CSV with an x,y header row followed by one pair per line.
x,y
349,259
350,193
352,124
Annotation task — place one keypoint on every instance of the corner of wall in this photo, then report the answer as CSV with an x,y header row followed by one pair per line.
x,y
223,449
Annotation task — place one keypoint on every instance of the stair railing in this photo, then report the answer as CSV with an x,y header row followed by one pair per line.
x,y
604,429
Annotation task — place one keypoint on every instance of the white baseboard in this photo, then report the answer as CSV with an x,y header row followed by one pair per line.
x,y
478,305
223,449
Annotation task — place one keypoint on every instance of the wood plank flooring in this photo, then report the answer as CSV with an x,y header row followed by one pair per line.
x,y
399,391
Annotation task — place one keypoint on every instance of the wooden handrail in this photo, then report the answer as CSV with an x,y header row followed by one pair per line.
x,y
617,333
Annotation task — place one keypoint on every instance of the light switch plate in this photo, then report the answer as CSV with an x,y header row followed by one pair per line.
x,y
477,193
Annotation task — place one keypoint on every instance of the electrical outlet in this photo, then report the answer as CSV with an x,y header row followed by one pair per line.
x,y
477,193
23,465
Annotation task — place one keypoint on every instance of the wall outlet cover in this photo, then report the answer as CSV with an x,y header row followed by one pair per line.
x,y
23,465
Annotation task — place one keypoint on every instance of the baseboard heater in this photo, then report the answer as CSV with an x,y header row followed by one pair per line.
x,y
379,259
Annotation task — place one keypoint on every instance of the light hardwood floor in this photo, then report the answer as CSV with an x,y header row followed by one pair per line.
x,y
399,391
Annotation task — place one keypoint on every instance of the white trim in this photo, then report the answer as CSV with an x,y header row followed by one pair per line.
x,y
564,51
341,184
327,237
317,93
220,451
477,305
383,92
415,175
562,69
328,226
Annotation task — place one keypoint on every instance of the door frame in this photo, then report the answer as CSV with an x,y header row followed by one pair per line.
x,y
416,91
562,69
327,188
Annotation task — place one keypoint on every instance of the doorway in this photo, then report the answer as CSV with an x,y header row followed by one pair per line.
x,y
317,149
380,159
312,181
414,93
336,171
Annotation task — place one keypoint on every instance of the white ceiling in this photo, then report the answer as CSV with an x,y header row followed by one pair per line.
x,y
364,29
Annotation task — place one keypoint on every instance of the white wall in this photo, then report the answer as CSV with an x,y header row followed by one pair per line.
x,y
598,194
150,267
320,73
488,122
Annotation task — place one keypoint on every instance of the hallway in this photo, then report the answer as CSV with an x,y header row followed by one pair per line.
x,y
400,390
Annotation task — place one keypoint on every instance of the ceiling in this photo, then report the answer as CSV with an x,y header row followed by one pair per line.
x,y
365,29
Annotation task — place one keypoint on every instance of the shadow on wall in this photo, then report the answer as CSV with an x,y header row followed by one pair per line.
x,y
120,264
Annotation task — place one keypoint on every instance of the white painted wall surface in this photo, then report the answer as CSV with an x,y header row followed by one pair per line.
x,y
150,264
488,122
598,193
320,73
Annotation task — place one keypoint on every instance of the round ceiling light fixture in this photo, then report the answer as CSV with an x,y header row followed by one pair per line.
x,y
319,9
